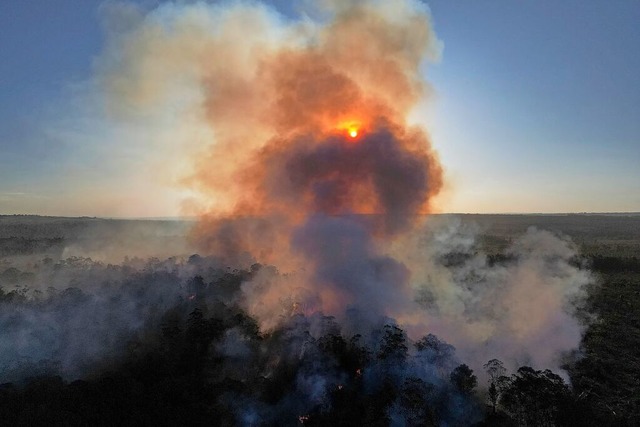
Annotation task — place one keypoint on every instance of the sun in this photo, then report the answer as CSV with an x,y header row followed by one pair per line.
x,y
352,129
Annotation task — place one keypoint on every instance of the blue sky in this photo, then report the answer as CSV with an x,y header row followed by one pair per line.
x,y
539,104
536,107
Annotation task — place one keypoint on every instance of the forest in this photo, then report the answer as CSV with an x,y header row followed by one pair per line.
x,y
167,341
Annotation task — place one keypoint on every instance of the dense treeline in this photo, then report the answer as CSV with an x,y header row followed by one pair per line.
x,y
202,360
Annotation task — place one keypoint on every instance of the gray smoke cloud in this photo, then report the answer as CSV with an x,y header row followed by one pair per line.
x,y
520,309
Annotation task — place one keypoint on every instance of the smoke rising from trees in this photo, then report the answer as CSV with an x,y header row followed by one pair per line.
x,y
340,281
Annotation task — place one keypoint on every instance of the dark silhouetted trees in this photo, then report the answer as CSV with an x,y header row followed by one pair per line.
x,y
463,379
536,398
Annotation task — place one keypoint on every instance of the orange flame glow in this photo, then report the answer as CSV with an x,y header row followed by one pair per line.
x,y
351,127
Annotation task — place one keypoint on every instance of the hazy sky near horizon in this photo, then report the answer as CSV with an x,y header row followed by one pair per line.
x,y
536,108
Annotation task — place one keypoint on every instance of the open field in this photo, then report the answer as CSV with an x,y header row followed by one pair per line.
x,y
597,234
611,234
102,239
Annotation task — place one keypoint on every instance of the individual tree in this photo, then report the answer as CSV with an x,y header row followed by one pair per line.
x,y
394,344
437,353
463,379
497,381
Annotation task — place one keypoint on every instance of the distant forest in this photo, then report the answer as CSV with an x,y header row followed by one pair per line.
x,y
165,341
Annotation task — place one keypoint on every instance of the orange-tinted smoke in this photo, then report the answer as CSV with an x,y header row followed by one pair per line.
x,y
283,150
266,104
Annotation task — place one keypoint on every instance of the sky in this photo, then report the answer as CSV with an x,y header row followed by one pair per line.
x,y
535,107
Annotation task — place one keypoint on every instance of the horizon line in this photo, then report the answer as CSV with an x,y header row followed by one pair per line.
x,y
195,217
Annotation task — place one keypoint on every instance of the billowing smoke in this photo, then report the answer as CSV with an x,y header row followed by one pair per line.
x,y
313,168
520,308
309,122
336,174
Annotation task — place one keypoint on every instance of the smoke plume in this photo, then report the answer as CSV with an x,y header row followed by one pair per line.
x,y
310,133
313,168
